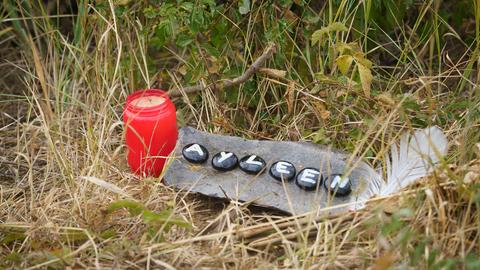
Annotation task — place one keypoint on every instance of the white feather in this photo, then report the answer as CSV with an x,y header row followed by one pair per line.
x,y
104,184
414,158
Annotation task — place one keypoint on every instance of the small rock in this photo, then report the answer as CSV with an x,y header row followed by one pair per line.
x,y
338,185
252,164
309,179
224,161
195,153
282,170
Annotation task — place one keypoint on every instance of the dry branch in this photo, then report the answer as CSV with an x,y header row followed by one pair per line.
x,y
267,53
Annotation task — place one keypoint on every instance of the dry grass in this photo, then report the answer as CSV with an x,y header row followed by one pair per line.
x,y
59,122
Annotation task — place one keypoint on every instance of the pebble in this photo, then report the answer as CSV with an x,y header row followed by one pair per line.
x,y
338,185
282,170
224,161
252,164
309,179
195,153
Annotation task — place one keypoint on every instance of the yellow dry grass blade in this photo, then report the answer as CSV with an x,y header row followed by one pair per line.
x,y
40,73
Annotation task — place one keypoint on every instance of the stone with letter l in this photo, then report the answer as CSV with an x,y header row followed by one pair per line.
x,y
252,164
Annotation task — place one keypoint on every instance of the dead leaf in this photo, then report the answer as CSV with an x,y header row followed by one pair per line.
x,y
195,168
333,27
362,59
384,262
365,78
477,150
471,177
290,16
322,110
182,70
347,48
386,100
323,93
325,115
344,62
213,68
212,65
391,205
340,93
122,2
290,96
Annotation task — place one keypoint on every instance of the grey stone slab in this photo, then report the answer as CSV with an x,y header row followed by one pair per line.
x,y
262,189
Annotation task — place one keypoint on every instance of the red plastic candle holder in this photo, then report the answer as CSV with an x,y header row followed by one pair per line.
x,y
150,130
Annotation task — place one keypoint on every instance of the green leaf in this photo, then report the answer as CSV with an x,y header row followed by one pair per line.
x,y
324,78
244,7
122,2
211,4
13,257
365,78
197,20
416,254
162,33
150,12
184,40
334,27
187,6
164,217
344,62
167,10
133,207
320,137
12,237
211,50
411,104
108,233
285,3
472,261
149,217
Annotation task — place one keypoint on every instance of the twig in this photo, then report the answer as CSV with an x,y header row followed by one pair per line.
x,y
267,53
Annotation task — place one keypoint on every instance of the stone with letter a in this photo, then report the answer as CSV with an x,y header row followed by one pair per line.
x,y
195,153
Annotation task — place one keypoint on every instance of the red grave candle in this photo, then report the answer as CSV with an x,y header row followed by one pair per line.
x,y
151,130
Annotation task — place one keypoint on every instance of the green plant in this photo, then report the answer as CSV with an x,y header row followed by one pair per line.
x,y
157,222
